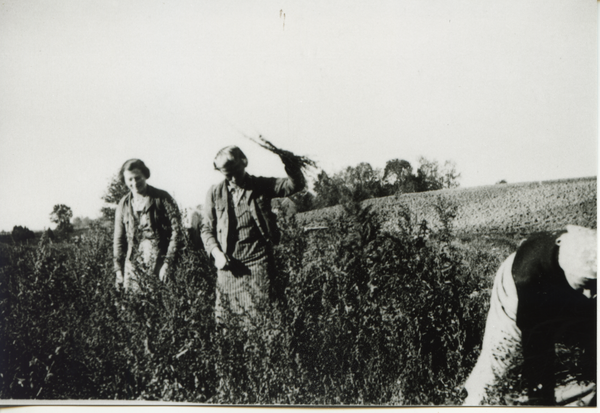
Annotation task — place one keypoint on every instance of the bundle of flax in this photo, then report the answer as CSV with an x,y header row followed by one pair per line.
x,y
301,162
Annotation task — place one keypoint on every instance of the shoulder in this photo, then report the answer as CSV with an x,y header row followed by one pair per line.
x,y
214,195
124,200
219,186
161,198
261,182
216,190
158,193
537,256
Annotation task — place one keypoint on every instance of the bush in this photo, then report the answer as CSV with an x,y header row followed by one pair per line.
x,y
367,318
21,234
67,334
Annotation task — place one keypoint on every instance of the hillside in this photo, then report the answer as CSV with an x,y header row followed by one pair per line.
x,y
505,208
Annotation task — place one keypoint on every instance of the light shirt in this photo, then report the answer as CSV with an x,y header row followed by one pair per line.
x,y
236,192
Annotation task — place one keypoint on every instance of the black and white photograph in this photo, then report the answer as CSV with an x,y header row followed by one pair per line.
x,y
316,203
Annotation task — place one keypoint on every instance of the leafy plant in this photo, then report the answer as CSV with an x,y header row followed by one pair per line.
x,y
361,313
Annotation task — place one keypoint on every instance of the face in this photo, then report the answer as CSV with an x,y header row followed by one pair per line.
x,y
135,181
234,173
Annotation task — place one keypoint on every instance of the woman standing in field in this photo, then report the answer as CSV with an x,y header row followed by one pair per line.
x,y
239,228
146,228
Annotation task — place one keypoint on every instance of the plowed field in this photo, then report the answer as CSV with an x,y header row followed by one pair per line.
x,y
504,208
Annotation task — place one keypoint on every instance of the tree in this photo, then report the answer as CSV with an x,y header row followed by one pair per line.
x,y
303,200
193,224
361,182
48,234
398,177
428,175
450,176
431,177
20,234
115,191
328,191
81,222
61,215
355,184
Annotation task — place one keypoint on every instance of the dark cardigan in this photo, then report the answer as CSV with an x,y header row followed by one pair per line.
x,y
549,311
164,223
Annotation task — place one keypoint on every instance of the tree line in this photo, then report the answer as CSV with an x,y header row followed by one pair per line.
x,y
352,184
360,182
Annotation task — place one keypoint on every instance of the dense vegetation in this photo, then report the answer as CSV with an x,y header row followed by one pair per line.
x,y
372,309
363,316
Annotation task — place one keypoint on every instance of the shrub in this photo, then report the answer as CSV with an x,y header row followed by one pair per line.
x,y
21,234
375,318
67,334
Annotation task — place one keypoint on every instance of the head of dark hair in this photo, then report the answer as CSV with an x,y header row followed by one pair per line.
x,y
132,164
229,156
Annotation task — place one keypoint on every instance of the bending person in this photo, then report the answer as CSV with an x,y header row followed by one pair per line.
x,y
240,229
543,293
146,228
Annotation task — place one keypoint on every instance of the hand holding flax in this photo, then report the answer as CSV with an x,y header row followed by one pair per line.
x,y
287,157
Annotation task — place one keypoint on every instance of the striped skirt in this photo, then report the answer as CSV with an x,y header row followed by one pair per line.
x,y
242,287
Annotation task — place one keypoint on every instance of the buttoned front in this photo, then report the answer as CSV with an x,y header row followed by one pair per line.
x,y
161,226
254,223
259,192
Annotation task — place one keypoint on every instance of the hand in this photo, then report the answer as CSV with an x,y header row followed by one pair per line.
x,y
286,156
220,259
119,280
162,274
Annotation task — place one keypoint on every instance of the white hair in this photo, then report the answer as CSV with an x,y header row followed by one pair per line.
x,y
577,255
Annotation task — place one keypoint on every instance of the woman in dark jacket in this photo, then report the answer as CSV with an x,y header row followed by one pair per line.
x,y
239,228
146,228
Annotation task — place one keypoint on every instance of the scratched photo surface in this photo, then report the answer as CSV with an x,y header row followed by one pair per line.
x,y
298,203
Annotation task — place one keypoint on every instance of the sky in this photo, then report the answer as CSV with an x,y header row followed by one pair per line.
x,y
507,89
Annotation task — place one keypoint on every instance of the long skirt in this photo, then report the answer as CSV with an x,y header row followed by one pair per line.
x,y
242,288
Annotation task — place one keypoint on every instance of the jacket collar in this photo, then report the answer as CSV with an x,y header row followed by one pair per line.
x,y
248,187
152,195
223,191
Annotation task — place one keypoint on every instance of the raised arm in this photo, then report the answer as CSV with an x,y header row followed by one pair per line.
x,y
293,183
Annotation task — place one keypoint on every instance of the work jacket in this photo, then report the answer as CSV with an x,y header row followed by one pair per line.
x,y
259,191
